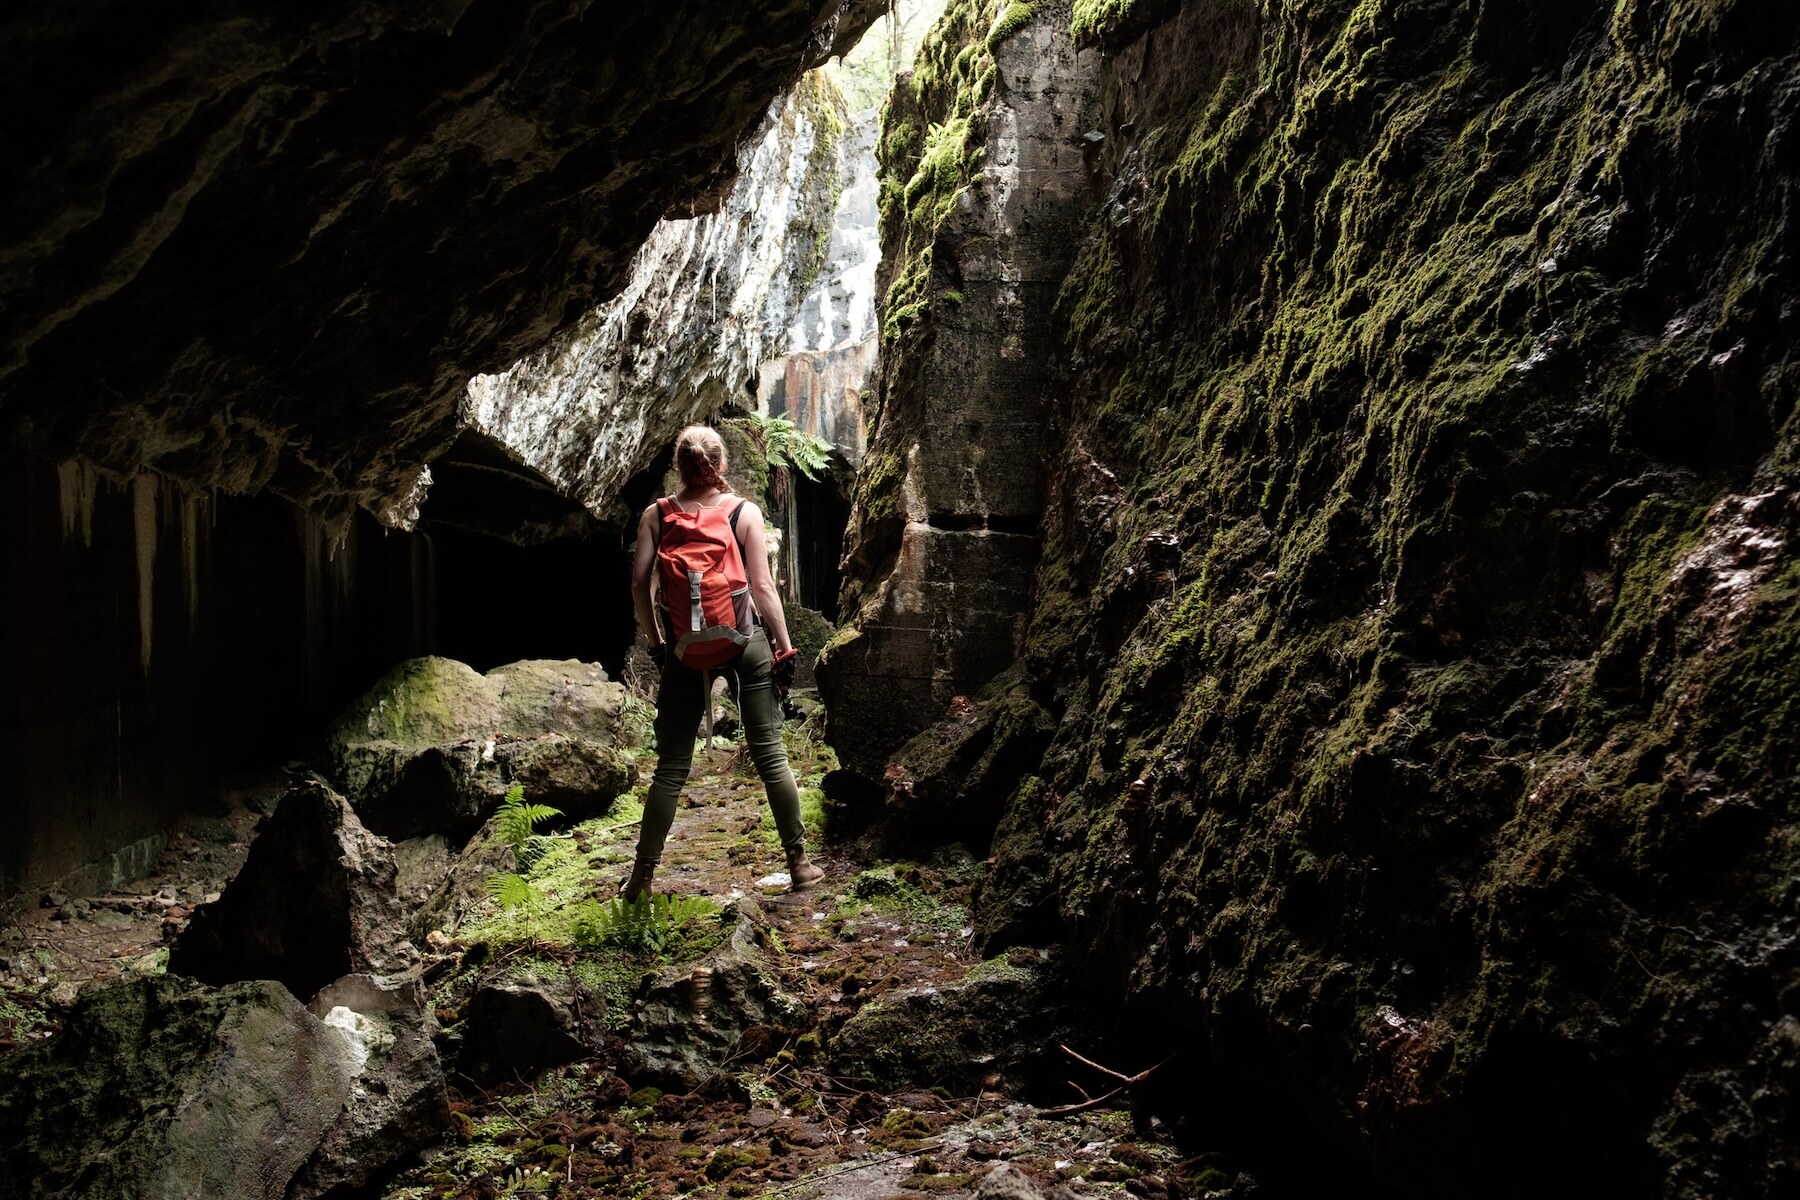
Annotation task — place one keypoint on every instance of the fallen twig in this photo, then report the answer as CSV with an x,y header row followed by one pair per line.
x,y
1126,1083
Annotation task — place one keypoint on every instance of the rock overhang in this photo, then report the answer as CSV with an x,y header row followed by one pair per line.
x,y
259,249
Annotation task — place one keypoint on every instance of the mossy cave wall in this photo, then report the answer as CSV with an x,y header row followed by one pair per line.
x,y
1416,607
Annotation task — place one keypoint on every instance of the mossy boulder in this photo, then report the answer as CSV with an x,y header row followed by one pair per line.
x,y
690,1019
164,1088
997,1018
809,631
950,781
433,746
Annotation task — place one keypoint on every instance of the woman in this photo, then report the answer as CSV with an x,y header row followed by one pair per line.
x,y
682,693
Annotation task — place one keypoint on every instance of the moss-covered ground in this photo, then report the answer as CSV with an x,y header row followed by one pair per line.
x,y
782,1116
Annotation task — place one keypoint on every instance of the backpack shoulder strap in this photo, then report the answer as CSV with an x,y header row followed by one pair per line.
x,y
663,504
735,513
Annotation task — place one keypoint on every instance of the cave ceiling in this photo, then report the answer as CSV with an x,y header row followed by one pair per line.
x,y
264,245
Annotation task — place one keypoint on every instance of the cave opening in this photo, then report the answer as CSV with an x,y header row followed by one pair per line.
x,y
822,514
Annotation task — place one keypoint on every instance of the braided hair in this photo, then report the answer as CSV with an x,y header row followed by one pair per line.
x,y
700,458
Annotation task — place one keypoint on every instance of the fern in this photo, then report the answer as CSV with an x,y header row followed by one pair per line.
x,y
649,925
512,891
515,824
787,447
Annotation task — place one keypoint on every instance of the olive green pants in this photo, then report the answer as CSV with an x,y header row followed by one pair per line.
x,y
681,702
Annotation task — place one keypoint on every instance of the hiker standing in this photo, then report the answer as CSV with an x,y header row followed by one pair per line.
x,y
705,548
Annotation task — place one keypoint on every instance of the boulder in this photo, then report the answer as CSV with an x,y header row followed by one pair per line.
x,y
1007,1182
398,1101
545,696
514,1030
421,864
577,775
464,883
951,780
809,631
433,746
315,899
164,1088
1000,1017
691,1018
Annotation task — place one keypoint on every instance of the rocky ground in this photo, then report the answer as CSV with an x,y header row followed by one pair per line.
x,y
728,1040
53,946
848,1068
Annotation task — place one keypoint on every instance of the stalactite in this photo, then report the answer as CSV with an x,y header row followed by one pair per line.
x,y
313,537
76,483
144,490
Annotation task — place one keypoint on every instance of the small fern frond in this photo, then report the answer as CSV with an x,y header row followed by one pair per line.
x,y
512,891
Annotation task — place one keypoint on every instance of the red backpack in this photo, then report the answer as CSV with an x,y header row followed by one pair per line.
x,y
705,589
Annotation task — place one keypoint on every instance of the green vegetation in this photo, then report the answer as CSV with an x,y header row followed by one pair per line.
x,y
515,823
787,448
562,875
1093,21
663,926
899,890
22,1014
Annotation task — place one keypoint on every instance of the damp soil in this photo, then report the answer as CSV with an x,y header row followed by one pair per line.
x,y
776,1119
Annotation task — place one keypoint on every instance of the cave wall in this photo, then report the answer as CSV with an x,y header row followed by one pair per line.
x,y
262,621
983,184
1416,605
255,632
253,253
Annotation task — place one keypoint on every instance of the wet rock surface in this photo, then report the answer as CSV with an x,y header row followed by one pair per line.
x,y
316,899
166,1088
514,1031
939,556
398,1100
995,1022
433,746
1415,599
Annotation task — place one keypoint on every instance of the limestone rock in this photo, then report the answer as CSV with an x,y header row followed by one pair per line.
x,y
995,1019
578,776
191,202
164,1089
941,547
950,781
433,746
464,883
691,1018
1007,1182
515,1030
314,900
421,865
398,1101
596,404
539,697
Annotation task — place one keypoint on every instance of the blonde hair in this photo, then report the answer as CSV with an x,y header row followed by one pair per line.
x,y
700,457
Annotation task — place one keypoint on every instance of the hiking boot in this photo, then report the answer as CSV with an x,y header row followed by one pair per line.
x,y
802,874
639,883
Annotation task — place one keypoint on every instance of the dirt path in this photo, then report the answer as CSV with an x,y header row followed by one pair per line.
x,y
781,1116
778,1119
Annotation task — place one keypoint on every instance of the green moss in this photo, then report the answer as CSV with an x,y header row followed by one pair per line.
x,y
1014,17
1094,21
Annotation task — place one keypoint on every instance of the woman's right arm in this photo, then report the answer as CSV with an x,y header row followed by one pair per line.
x,y
643,571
